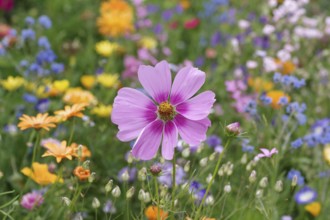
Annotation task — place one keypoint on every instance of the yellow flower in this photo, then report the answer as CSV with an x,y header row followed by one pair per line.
x,y
88,81
185,4
41,91
40,174
58,87
326,153
258,84
71,111
103,111
116,18
60,151
40,121
286,67
106,48
85,152
148,43
276,95
12,83
313,208
77,95
108,80
151,213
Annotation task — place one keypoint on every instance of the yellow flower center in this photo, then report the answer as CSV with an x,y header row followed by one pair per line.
x,y
166,111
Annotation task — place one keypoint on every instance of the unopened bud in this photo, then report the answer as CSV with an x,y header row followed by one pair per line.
x,y
244,159
221,171
163,191
91,177
85,165
147,197
130,192
263,182
79,151
203,162
253,176
186,167
125,176
142,174
141,195
155,169
116,192
212,156
66,201
209,200
294,181
108,186
227,188
186,152
233,129
95,203
229,168
278,186
259,193
209,178
130,158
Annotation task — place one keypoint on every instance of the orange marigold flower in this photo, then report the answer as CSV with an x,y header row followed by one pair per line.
x,y
40,174
151,213
40,121
77,95
60,151
259,84
276,96
71,111
81,173
285,67
116,18
313,208
84,151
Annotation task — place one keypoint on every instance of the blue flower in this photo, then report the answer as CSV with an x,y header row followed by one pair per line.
x,y
57,67
42,105
30,98
297,143
213,141
305,195
277,77
45,22
300,178
43,42
28,34
29,20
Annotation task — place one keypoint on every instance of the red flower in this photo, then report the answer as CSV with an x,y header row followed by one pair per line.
x,y
192,23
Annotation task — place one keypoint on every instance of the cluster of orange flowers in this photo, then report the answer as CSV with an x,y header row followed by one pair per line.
x,y
116,18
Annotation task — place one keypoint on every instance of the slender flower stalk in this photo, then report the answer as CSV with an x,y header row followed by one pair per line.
x,y
216,169
72,131
37,143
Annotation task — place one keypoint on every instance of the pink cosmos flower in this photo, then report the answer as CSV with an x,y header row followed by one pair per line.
x,y
32,200
267,153
165,112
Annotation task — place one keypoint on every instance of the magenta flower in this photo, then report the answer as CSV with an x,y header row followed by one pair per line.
x,y
32,200
166,112
267,153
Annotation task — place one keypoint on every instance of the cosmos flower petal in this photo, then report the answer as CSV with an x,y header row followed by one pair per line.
x,y
156,80
132,111
170,139
186,83
147,144
197,107
265,151
261,155
192,132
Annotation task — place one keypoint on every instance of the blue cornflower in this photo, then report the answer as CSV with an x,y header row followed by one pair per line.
x,y
300,178
265,99
277,77
42,105
43,42
251,108
24,63
45,22
29,20
109,207
305,195
28,34
57,67
45,56
297,143
30,98
213,141
283,101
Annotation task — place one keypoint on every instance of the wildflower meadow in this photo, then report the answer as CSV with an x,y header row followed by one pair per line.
x,y
154,110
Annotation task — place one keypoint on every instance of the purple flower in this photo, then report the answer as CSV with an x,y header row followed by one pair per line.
x,y
170,111
28,34
267,153
305,195
32,200
131,173
109,207
166,175
213,141
45,22
297,173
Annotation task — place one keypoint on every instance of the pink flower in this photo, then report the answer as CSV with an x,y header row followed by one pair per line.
x,y
267,153
192,23
32,200
166,112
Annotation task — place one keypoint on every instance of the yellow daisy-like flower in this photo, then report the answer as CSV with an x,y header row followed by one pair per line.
x,y
40,121
12,83
59,151
88,81
151,213
313,208
259,84
58,87
326,153
77,95
102,111
108,80
40,174
286,67
148,43
106,48
276,95
71,111
116,18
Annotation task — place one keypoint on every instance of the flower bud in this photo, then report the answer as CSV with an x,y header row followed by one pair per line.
x,y
209,178
79,151
212,156
147,197
294,181
227,188
141,195
91,177
221,171
209,200
203,162
186,152
125,176
116,192
163,191
130,158
233,129
253,176
155,169
142,174
278,186
263,182
186,167
66,201
259,193
229,168
130,192
244,159
85,165
108,186
95,203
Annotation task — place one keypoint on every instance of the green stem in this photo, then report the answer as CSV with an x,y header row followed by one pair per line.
x,y
35,148
157,197
72,131
216,169
173,184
